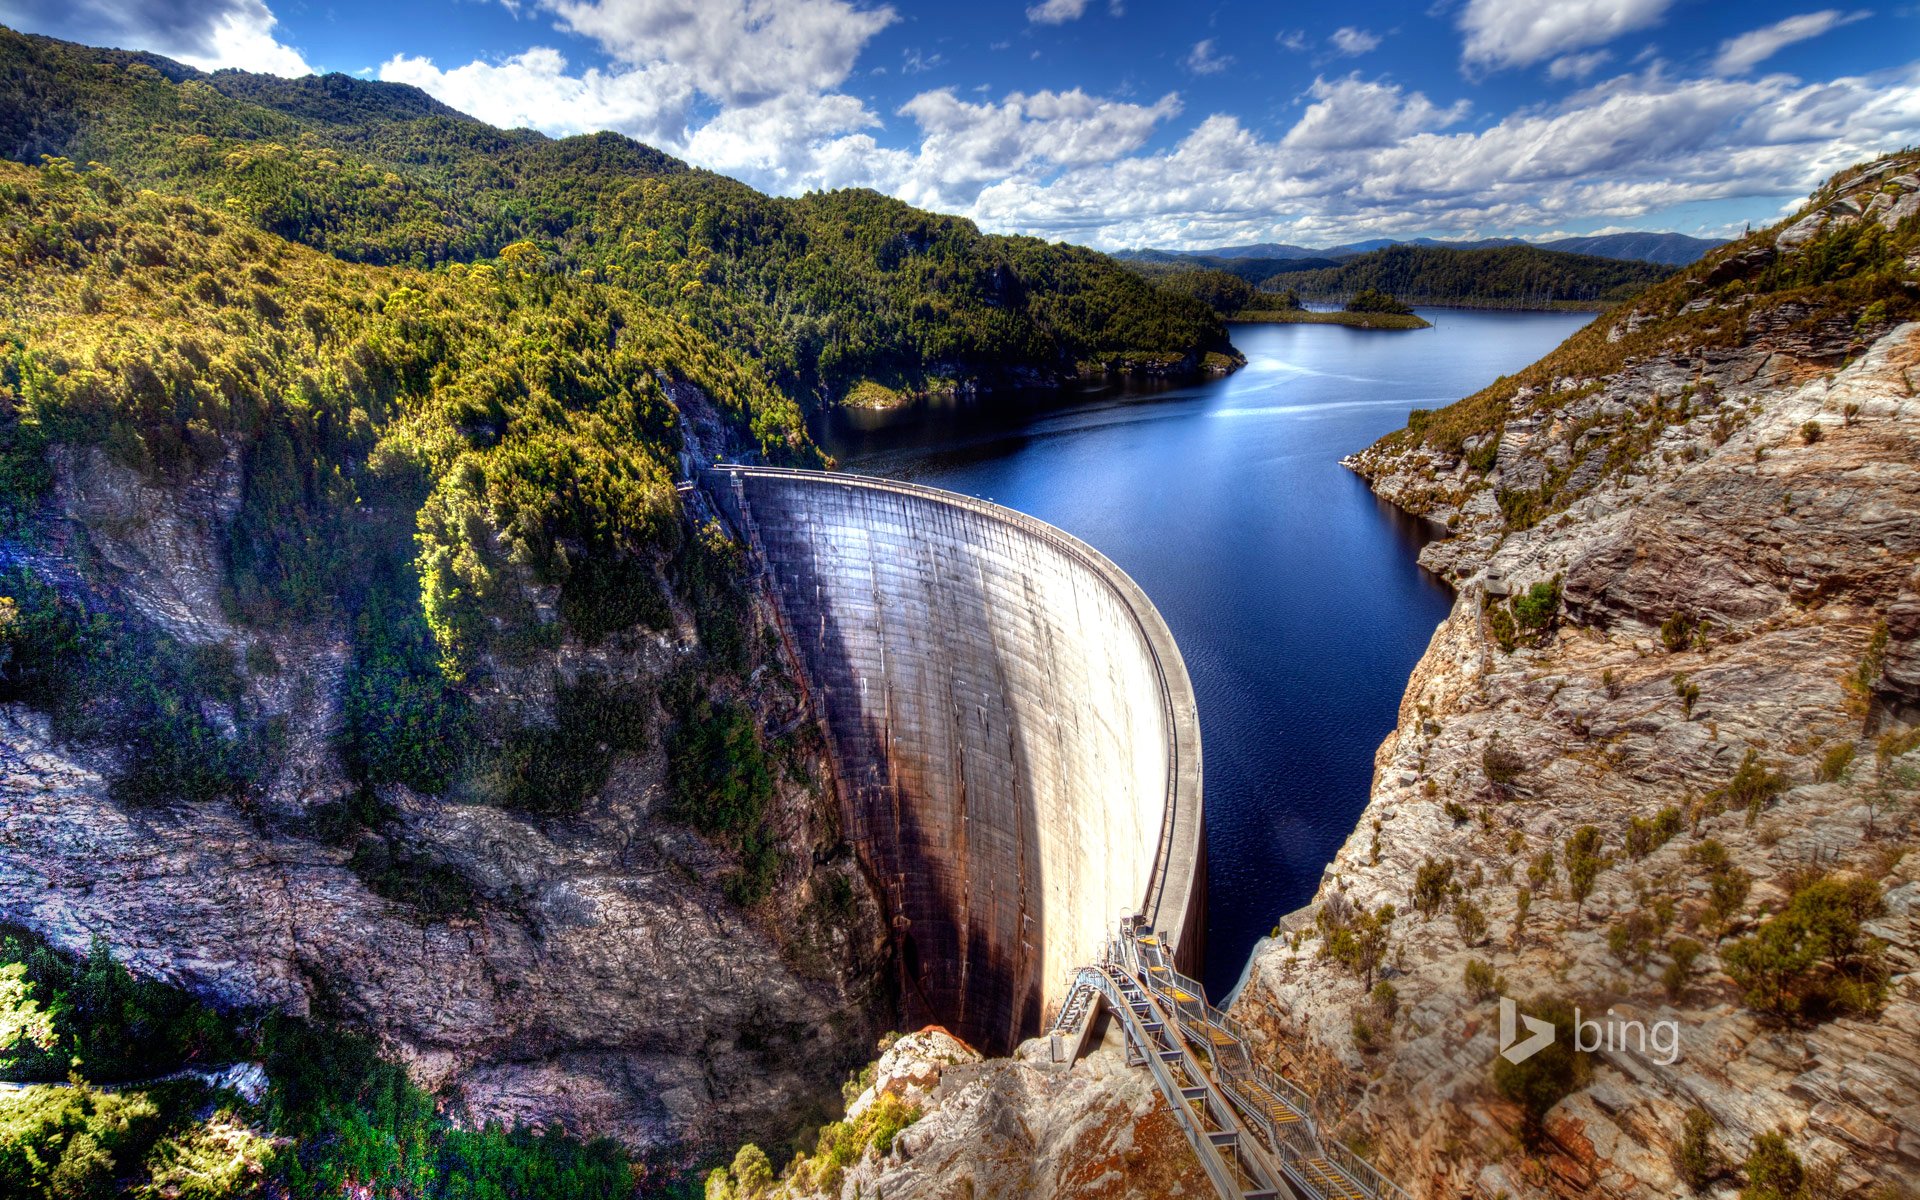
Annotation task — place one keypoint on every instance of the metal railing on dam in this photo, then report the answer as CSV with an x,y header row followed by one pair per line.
x,y
1012,726
1255,1134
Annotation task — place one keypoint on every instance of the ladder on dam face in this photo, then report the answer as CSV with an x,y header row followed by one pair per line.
x,y
1254,1133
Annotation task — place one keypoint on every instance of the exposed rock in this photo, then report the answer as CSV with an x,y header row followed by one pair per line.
x,y
602,979
1022,1128
1783,553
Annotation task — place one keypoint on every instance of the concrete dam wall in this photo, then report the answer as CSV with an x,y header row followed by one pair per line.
x,y
1013,728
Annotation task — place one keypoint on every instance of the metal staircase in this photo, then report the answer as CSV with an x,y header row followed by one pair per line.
x,y
1254,1133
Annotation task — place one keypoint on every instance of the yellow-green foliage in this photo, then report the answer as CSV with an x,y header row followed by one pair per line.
x,y
823,289
210,1160
840,1145
529,412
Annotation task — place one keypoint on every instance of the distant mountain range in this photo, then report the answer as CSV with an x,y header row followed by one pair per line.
x,y
1669,249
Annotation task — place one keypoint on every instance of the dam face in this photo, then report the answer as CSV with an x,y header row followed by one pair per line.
x,y
1012,725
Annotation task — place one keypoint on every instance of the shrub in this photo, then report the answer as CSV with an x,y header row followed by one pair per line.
x,y
1814,959
1481,981
1502,766
1753,786
1644,835
117,1026
1811,433
1371,300
1386,998
1694,1158
1360,944
434,889
1552,1073
1431,885
1773,1170
1536,608
1584,862
1727,888
1630,938
1683,953
1836,762
1470,921
1688,692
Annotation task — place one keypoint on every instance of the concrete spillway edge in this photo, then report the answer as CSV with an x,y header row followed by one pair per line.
x,y
1174,899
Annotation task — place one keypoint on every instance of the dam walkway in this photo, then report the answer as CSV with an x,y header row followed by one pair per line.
x,y
1255,1134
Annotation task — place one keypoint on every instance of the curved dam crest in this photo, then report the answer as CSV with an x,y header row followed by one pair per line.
x,y
1013,727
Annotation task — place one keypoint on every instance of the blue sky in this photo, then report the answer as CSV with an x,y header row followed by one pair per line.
x,y
1133,122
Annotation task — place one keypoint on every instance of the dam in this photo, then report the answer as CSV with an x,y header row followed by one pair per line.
x,y
1012,726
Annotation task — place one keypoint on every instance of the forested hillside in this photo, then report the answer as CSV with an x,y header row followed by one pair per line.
x,y
1502,277
826,290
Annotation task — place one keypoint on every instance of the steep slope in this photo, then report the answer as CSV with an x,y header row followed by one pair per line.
x,y
358,658
1657,772
828,290
1658,763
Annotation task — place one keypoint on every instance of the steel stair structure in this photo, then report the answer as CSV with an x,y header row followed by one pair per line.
x,y
1254,1133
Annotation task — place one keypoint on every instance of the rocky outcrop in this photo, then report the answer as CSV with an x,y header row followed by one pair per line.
x,y
1723,594
1018,1128
600,980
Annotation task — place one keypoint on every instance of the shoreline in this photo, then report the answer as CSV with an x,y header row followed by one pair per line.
x,y
1352,320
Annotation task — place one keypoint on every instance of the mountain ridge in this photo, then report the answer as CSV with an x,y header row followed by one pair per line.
x,y
1670,249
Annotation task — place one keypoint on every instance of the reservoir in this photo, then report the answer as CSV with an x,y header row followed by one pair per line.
x,y
1293,593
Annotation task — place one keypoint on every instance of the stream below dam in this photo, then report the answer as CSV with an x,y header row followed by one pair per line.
x,y
1293,593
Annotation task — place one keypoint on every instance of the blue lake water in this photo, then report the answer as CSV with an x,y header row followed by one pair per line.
x,y
1292,591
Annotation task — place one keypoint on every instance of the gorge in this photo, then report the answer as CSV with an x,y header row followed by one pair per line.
x,y
436,663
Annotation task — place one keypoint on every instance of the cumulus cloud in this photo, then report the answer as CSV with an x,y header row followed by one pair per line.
x,y
1204,60
1519,33
1615,151
208,34
1742,54
1348,40
1057,12
739,50
535,90
1355,114
965,147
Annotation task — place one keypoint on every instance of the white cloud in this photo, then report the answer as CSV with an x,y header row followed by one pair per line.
x,y
1348,40
208,34
1057,12
1365,156
739,50
1614,152
534,90
1353,114
1202,60
1519,33
1741,54
1292,39
1577,66
966,147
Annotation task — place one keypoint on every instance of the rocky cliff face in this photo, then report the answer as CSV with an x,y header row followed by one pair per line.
x,y
1685,548
598,978
1018,1128
1685,584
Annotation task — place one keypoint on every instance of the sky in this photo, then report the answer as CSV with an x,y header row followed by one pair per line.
x,y
1119,123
